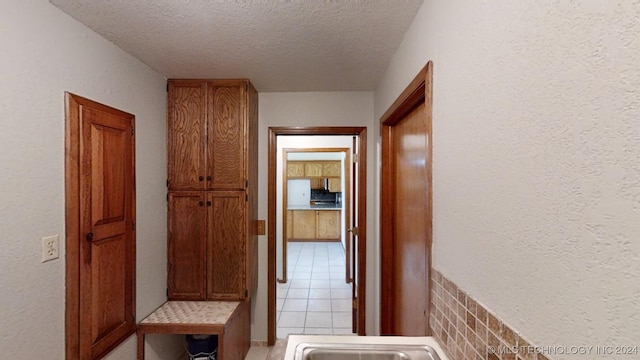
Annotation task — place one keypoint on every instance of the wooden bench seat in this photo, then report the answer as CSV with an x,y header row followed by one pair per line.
x,y
229,320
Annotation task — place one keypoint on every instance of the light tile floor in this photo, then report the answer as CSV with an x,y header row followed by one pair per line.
x,y
316,299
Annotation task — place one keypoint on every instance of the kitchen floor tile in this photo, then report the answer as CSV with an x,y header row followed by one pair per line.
x,y
298,294
318,320
319,294
292,319
341,319
300,284
295,305
319,305
340,305
339,293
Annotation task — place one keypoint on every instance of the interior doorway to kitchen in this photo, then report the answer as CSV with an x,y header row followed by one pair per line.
x,y
316,236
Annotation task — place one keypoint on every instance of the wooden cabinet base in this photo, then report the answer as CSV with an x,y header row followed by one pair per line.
x,y
229,320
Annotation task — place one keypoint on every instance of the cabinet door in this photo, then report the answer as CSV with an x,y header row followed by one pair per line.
x,y
226,245
331,169
187,245
295,169
313,169
334,185
304,224
226,137
186,135
328,224
317,183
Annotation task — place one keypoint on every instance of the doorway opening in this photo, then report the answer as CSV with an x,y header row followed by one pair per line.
x,y
317,247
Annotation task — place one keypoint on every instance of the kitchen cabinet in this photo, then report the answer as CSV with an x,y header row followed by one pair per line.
x,y
313,225
313,169
331,169
212,183
295,170
317,183
328,224
334,185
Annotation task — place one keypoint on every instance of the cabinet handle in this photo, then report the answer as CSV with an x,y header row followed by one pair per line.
x,y
200,203
201,178
208,203
208,178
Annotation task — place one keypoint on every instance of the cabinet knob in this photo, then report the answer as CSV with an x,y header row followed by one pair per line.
x,y
201,203
89,236
208,203
208,178
201,178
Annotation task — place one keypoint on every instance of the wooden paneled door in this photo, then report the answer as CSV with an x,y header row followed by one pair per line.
x,y
100,185
406,211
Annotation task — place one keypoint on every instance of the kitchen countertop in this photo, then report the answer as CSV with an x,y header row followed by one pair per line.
x,y
329,206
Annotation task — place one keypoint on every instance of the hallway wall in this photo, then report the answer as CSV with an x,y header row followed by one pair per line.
x,y
535,165
45,53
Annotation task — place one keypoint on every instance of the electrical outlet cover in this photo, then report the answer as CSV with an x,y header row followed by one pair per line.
x,y
50,248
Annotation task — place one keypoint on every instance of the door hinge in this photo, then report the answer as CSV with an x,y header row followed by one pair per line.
x,y
133,130
246,197
246,293
354,230
355,158
133,225
246,183
167,292
167,196
167,87
167,182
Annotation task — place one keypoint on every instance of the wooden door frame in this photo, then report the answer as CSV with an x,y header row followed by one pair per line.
x,y
361,132
419,91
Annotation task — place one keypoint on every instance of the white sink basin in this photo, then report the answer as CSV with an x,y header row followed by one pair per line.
x,y
323,347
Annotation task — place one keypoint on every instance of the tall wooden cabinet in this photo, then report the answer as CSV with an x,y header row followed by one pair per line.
x,y
212,189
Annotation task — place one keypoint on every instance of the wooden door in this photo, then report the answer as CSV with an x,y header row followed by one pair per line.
x,y
406,214
186,135
187,222
226,137
105,238
226,256
410,230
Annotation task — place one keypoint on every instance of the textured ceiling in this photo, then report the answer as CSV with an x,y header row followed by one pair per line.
x,y
280,45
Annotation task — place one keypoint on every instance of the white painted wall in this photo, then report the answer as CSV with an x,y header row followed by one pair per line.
x,y
44,54
536,132
309,109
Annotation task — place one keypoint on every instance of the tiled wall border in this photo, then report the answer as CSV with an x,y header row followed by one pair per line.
x,y
468,331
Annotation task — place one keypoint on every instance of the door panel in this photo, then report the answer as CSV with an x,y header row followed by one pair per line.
x,y
225,133
410,230
186,139
225,249
187,245
107,244
406,210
